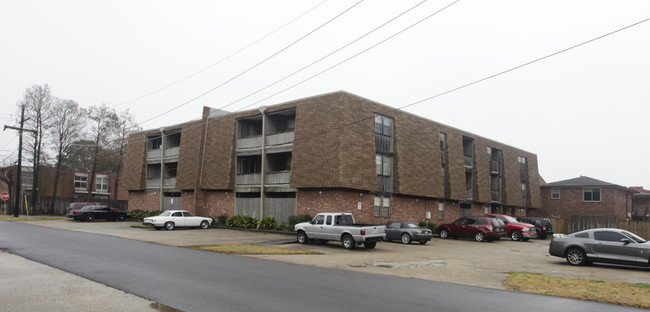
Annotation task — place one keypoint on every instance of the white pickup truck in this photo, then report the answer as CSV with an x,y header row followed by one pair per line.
x,y
339,227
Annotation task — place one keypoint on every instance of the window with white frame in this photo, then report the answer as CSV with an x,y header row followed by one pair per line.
x,y
382,206
80,181
441,210
591,194
101,183
555,193
384,165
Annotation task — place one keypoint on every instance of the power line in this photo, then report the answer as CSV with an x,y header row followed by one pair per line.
x,y
326,56
351,57
454,89
256,65
221,60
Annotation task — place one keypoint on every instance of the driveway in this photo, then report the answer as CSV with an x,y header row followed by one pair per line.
x,y
461,261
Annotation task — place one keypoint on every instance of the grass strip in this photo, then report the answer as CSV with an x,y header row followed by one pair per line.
x,y
621,293
253,249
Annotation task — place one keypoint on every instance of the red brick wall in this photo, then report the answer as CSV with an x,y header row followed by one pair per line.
x,y
613,202
216,204
144,201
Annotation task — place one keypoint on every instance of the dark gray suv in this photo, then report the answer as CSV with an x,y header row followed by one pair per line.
x,y
542,225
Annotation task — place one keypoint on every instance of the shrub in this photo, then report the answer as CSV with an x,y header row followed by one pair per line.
x,y
221,220
240,221
430,226
297,219
141,214
267,223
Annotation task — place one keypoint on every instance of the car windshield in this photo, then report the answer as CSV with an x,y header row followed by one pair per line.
x,y
165,214
634,237
510,219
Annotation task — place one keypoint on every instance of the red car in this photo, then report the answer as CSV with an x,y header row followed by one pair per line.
x,y
518,231
481,228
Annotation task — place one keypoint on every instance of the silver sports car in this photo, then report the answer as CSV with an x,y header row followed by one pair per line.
x,y
601,245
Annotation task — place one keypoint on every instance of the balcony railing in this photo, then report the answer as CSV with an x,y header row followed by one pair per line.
x,y
496,196
495,167
270,178
168,182
169,153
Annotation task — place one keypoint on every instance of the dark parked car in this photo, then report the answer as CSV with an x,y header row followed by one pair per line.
x,y
99,212
407,231
481,228
74,208
542,225
601,245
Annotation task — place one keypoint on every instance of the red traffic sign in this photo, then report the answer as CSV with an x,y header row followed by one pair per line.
x,y
4,196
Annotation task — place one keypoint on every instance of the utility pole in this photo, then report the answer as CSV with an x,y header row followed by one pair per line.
x,y
20,158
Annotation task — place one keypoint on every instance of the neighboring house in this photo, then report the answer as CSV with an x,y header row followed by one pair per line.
x,y
72,186
640,203
331,152
585,196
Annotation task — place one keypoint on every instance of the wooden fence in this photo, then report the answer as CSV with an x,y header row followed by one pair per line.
x,y
568,226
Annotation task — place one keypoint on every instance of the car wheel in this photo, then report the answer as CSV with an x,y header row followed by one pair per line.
x,y
370,245
90,218
444,233
302,237
169,226
348,242
121,218
515,235
406,238
204,224
422,242
479,236
576,256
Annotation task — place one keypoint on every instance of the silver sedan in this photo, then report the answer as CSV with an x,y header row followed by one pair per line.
x,y
601,245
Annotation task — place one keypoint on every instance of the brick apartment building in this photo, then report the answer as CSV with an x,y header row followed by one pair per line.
x,y
72,187
331,152
585,196
640,203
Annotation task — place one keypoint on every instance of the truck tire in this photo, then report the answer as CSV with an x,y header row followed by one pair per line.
x,y
515,235
302,237
370,245
348,242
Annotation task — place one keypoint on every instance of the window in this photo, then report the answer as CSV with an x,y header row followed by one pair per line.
x,y
441,210
319,219
555,193
329,220
27,178
101,183
591,194
80,181
383,125
384,165
523,194
608,236
382,206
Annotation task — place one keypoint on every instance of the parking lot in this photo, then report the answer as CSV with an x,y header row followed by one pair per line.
x,y
461,261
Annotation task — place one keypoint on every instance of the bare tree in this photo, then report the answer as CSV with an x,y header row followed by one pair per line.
x,y
104,126
64,133
126,126
38,105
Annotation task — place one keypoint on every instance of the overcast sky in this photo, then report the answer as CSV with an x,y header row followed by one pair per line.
x,y
585,111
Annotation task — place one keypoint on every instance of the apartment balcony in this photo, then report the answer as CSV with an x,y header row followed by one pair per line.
x,y
155,183
270,178
470,194
169,153
284,138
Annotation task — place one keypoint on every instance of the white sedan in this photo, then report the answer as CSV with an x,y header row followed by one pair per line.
x,y
170,219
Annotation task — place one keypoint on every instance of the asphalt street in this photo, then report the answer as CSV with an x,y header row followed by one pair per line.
x,y
192,280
